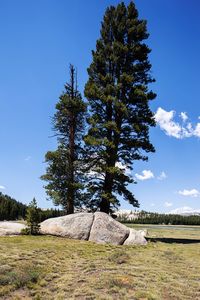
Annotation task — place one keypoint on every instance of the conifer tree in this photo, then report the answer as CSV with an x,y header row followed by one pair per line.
x,y
63,173
33,218
118,95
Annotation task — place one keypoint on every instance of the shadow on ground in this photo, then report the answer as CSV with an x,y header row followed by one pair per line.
x,y
174,240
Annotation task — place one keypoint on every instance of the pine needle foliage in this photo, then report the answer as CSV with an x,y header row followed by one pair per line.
x,y
33,218
118,95
63,174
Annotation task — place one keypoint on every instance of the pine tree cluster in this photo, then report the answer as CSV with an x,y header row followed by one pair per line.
x,y
91,166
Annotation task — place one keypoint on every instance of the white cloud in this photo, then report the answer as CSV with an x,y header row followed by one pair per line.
x,y
165,119
2,187
162,176
183,116
190,193
197,130
152,204
146,174
168,204
185,210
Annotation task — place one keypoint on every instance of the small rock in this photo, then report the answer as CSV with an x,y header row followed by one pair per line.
x,y
136,237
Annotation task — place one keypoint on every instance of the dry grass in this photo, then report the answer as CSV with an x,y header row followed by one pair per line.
x,y
56,268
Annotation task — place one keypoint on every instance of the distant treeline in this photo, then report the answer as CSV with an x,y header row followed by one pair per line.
x,y
10,209
50,213
155,218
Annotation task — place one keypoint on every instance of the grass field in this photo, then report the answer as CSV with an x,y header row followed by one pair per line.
x,y
57,268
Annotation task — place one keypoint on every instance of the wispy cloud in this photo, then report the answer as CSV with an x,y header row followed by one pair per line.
x,y
185,129
27,158
197,130
184,116
168,204
146,174
2,187
162,176
189,193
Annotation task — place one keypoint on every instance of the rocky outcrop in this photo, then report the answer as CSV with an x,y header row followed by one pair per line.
x,y
136,237
106,230
96,227
75,226
11,228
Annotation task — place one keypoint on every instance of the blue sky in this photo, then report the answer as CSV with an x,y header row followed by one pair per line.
x,y
38,41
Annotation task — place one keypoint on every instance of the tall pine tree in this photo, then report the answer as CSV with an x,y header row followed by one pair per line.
x,y
63,173
118,95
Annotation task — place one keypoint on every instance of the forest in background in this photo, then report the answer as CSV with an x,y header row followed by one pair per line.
x,y
144,217
11,209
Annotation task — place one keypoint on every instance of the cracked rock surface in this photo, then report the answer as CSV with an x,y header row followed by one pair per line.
x,y
107,230
96,227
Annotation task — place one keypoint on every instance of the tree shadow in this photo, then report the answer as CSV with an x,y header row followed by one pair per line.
x,y
173,240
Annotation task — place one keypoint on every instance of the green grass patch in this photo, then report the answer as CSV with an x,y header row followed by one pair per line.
x,y
44,267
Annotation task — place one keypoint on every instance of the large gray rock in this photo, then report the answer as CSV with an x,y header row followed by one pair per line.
x,y
136,237
106,230
74,226
10,228
98,227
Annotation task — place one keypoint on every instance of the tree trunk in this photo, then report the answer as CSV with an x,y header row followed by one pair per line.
x,y
108,183
105,203
70,194
70,203
104,206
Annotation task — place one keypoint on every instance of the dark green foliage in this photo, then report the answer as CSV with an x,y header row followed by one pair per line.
x,y
156,218
10,209
68,120
33,218
50,213
118,95
59,184
63,174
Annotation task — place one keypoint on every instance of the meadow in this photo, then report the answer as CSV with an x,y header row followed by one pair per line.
x,y
45,267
